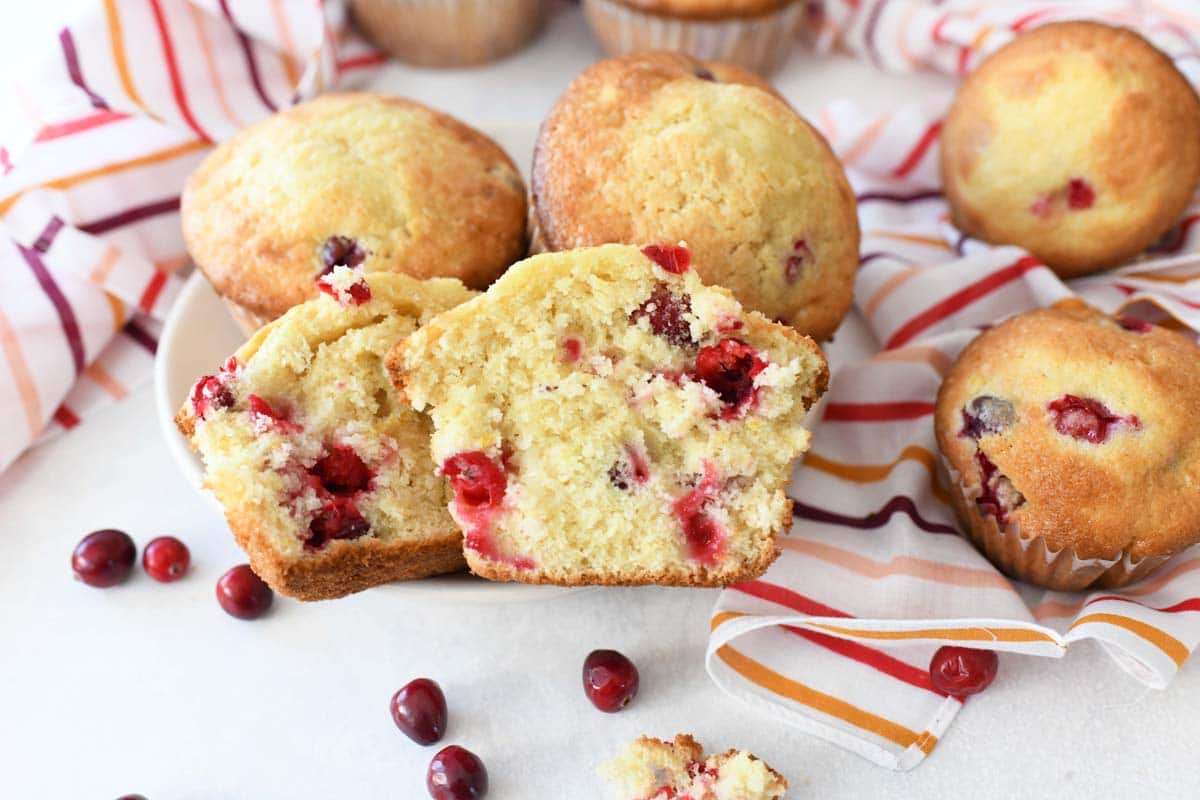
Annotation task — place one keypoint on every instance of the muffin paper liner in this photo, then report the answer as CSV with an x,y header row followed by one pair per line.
x,y
835,639
444,33
758,43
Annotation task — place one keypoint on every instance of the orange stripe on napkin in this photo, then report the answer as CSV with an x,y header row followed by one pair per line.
x,y
102,378
928,355
118,310
117,42
951,634
200,19
864,140
104,266
1175,650
288,42
872,473
781,685
932,241
22,377
68,181
934,571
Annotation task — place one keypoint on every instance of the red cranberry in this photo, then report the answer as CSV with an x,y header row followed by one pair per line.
x,y
166,559
267,418
997,495
573,348
243,594
341,251
1134,324
961,671
1042,206
795,262
477,480
665,312
630,470
728,368
132,797
609,679
705,539
339,518
104,558
703,74
670,257
342,471
419,709
987,415
456,773
1083,418
355,294
1080,194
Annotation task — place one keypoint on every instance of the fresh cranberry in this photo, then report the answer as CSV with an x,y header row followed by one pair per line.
x,y
339,518
341,251
456,773
670,257
342,471
665,312
703,74
1084,418
104,558
419,709
166,559
729,368
987,415
266,418
243,594
477,480
961,671
1080,194
609,679
132,797
573,348
629,471
1134,324
794,264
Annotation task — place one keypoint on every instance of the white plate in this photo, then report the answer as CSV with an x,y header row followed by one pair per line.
x,y
197,337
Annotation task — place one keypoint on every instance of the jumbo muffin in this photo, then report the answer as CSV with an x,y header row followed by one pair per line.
x,y
653,769
443,33
1077,141
1070,440
322,469
605,418
661,147
755,34
350,179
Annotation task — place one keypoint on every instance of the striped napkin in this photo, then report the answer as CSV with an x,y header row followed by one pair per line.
x,y
125,104
837,637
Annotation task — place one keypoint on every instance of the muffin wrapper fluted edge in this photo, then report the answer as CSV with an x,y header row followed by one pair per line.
x,y
445,33
1030,559
757,43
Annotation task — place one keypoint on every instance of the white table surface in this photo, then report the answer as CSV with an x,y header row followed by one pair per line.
x,y
152,689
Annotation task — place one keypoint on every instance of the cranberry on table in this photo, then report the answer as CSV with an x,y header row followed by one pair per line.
x,y
104,558
609,679
243,594
456,773
419,709
962,671
132,797
166,559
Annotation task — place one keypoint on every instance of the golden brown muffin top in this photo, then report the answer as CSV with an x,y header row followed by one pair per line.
x,y
1090,425
351,178
661,147
707,9
1078,141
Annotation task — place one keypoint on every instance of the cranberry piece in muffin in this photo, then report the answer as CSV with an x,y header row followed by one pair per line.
x,y
1066,437
648,462
320,465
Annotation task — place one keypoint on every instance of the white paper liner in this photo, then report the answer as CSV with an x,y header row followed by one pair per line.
x,y
757,43
445,33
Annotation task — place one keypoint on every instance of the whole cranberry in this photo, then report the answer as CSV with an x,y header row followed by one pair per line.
x,y
609,679
419,709
961,671
243,594
104,558
456,773
132,797
166,559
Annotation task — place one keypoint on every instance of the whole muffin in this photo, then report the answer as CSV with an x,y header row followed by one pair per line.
x,y
350,179
1078,141
445,33
661,147
1070,440
755,34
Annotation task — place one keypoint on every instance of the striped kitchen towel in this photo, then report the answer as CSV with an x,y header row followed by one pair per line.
x,y
127,102
837,637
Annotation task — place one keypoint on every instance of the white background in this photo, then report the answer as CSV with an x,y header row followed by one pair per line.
x,y
153,689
